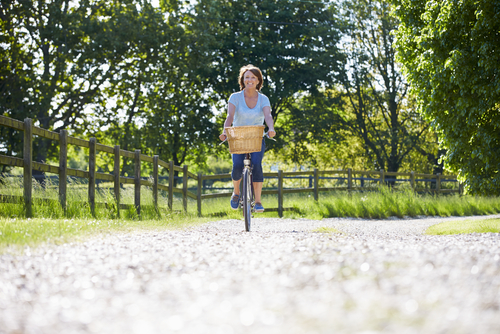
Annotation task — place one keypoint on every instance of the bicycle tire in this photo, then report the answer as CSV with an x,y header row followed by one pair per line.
x,y
247,199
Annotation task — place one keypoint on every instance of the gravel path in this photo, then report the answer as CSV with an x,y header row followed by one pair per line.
x,y
378,276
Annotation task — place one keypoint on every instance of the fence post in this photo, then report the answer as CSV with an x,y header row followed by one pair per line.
x,y
170,184
155,182
92,163
280,193
28,166
198,194
316,179
185,187
63,165
382,177
137,181
460,188
116,171
412,180
349,179
438,183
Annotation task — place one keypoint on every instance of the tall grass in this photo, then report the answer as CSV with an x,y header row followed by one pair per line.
x,y
380,204
46,201
52,224
387,202
383,203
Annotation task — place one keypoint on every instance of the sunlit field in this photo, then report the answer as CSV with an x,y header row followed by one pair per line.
x,y
51,224
491,225
382,202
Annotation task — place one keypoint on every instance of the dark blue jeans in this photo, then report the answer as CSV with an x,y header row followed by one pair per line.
x,y
257,175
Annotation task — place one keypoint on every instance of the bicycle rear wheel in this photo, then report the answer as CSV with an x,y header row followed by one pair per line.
x,y
247,199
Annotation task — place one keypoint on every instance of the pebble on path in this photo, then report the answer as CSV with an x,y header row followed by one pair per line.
x,y
377,276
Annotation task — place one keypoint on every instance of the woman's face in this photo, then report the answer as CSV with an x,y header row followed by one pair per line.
x,y
250,80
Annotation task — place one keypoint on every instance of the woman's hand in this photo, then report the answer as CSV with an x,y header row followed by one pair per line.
x,y
271,133
223,137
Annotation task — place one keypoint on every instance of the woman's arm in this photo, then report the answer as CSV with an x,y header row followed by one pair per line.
x,y
269,121
231,109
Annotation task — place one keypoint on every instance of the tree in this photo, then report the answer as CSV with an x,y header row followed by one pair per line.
x,y
13,76
450,51
294,43
62,57
163,95
322,132
124,72
381,112
309,123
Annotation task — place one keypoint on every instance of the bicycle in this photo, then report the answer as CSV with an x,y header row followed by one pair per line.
x,y
247,202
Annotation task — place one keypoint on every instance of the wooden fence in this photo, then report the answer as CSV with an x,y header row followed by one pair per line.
x,y
63,172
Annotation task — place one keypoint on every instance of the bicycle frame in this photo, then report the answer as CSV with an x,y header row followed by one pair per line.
x,y
247,164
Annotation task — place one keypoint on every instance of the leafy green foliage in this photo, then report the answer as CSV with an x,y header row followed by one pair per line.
x,y
450,54
163,94
69,53
152,78
293,43
124,72
311,122
379,110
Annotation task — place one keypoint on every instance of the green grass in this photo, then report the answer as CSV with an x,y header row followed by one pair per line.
x,y
328,230
390,203
16,233
379,204
51,224
465,227
46,202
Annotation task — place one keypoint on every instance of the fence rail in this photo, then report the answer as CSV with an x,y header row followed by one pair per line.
x,y
92,175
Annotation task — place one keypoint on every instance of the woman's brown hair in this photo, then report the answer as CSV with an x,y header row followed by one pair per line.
x,y
256,71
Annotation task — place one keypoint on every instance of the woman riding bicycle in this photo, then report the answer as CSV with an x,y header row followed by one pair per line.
x,y
249,107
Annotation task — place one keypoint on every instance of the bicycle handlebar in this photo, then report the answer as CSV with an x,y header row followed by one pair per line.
x,y
267,135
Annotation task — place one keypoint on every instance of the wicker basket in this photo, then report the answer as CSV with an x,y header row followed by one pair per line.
x,y
245,139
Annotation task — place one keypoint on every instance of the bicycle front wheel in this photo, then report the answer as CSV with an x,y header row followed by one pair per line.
x,y
247,199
